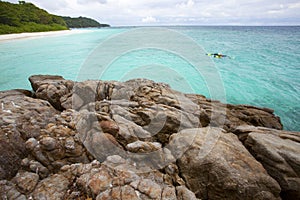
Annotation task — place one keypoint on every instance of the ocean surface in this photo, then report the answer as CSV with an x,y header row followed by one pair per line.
x,y
263,68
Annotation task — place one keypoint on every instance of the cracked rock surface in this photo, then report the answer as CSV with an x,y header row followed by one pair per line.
x,y
140,140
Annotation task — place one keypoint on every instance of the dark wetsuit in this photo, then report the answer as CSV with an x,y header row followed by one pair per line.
x,y
217,55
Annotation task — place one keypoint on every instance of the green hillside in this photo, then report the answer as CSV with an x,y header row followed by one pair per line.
x,y
26,17
82,22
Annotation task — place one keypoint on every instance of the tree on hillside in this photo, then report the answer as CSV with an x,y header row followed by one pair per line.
x,y
26,17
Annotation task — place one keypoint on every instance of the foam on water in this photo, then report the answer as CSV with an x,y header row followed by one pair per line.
x,y
264,71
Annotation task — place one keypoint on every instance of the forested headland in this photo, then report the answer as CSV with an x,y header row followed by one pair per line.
x,y
26,17
82,22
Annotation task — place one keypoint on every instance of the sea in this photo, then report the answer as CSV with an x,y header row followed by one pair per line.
x,y
261,67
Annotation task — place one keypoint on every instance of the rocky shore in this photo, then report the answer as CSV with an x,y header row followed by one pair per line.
x,y
140,140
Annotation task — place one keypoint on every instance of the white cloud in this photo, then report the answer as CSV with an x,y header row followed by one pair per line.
x,y
184,5
294,5
84,2
149,19
176,12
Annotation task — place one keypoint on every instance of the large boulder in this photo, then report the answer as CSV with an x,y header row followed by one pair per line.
x,y
57,145
53,187
216,165
22,117
228,117
51,88
278,151
37,80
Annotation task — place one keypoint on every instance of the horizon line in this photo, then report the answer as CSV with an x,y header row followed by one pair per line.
x,y
208,25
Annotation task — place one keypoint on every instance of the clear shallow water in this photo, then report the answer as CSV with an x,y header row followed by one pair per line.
x,y
264,70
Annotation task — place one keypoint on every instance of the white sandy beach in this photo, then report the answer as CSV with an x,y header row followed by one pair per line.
x,y
17,36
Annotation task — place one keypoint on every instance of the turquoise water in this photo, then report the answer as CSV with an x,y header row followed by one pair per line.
x,y
263,71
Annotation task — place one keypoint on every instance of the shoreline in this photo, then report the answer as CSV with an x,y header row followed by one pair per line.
x,y
19,36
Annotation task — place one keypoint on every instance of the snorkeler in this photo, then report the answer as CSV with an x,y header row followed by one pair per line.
x,y
217,55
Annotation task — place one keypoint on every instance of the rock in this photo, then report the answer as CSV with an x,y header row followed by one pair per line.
x,y
118,178
28,115
54,89
250,115
278,151
169,193
129,131
125,192
98,143
150,188
22,117
143,147
217,161
139,140
48,143
38,168
148,93
31,143
110,127
57,145
184,194
53,92
128,192
70,146
100,182
12,147
53,187
8,190
37,80
26,181
166,120
228,117
83,94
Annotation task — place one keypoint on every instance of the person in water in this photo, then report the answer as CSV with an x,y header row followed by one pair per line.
x,y
217,55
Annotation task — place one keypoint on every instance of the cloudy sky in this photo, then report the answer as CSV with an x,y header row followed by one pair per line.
x,y
178,12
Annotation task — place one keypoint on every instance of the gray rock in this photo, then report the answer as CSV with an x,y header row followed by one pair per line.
x,y
99,144
218,166
12,147
129,131
150,188
228,117
278,151
22,117
51,88
118,178
53,187
38,168
169,193
48,143
31,143
143,147
184,194
9,191
37,80
26,181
